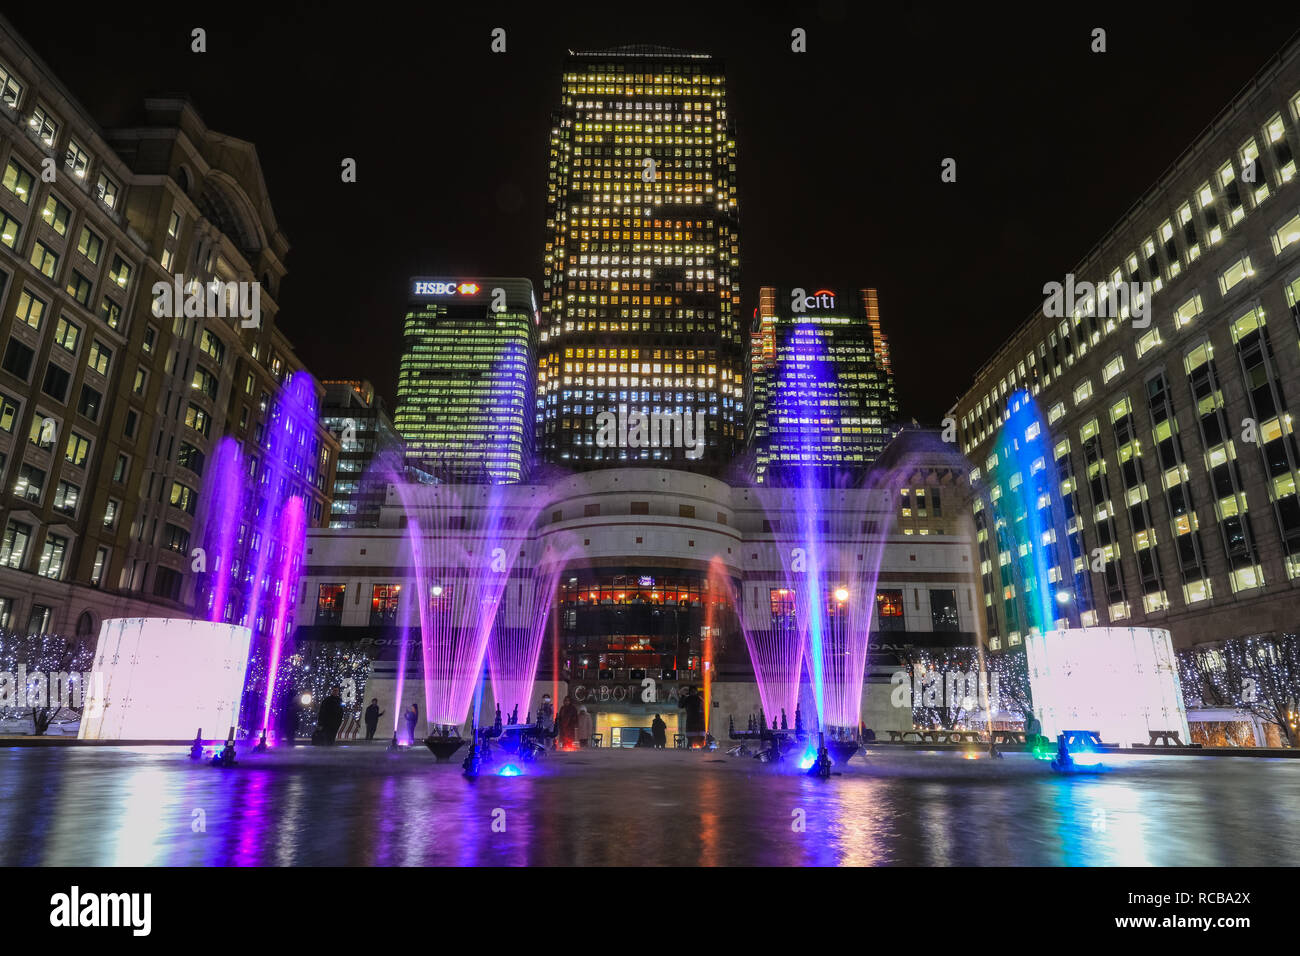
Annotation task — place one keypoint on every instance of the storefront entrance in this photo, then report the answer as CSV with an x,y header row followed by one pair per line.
x,y
623,730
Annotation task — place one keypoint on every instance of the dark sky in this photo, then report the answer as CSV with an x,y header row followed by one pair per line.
x,y
839,148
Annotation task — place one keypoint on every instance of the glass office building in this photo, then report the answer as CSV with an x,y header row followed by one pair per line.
x,y
640,287
465,385
823,386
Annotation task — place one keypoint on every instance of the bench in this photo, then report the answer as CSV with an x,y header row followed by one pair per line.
x,y
1009,737
1167,738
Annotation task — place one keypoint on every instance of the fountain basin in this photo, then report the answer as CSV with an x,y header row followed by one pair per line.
x,y
443,747
841,751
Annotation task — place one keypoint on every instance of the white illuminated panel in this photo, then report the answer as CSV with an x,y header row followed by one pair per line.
x,y
1122,681
165,678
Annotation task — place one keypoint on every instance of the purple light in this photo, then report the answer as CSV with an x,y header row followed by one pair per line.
x,y
516,641
224,507
291,534
465,542
288,437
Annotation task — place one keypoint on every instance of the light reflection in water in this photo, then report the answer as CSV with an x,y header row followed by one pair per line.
x,y
359,806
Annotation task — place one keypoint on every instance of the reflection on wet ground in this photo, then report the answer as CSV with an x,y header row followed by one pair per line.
x,y
356,804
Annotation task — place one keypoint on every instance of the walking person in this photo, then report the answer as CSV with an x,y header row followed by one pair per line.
x,y
568,724
373,713
659,730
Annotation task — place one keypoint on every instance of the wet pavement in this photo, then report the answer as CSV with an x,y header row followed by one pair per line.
x,y
358,805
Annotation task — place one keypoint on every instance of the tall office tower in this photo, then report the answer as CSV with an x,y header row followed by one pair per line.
x,y
640,290
370,452
465,390
823,387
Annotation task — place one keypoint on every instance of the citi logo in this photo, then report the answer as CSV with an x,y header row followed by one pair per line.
x,y
800,301
75,909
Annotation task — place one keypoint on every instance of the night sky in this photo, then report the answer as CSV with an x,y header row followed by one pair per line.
x,y
839,148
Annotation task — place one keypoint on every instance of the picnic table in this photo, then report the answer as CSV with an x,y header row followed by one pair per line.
x,y
934,736
1167,738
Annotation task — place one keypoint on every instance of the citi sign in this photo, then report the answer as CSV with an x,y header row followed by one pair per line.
x,y
445,288
801,301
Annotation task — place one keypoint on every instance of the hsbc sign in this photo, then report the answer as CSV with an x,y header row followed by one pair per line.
x,y
430,287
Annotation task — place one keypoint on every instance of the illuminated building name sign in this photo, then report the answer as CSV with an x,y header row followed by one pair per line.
x,y
440,287
801,301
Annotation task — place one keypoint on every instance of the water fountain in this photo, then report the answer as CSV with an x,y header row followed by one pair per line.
x,y
260,592
465,543
818,622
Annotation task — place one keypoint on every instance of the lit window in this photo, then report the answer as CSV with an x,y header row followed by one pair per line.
x,y
1189,310
1147,342
77,159
1235,273
43,125
1286,234
10,89
106,191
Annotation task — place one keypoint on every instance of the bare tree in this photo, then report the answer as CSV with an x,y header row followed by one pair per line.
x,y
58,663
1259,675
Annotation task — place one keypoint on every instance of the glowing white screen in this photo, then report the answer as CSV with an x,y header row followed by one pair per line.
x,y
1122,681
165,678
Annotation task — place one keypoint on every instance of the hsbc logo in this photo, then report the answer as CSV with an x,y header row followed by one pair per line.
x,y
445,288
801,301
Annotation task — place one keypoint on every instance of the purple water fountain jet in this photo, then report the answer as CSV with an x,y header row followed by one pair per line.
x,y
465,541
516,641
291,535
287,447
224,503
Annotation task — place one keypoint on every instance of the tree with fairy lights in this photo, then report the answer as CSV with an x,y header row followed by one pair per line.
x,y
315,668
1011,694
43,676
939,691
954,694
1259,675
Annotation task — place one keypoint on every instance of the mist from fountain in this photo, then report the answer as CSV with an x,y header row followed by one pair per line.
x,y
521,625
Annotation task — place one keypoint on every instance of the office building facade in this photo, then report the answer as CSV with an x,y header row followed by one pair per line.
x,y
371,452
823,397
467,378
110,410
640,293
1166,367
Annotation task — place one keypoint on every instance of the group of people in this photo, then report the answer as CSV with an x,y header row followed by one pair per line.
x,y
574,725
330,717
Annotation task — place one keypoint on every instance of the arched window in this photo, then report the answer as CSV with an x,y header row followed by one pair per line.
x,y
85,624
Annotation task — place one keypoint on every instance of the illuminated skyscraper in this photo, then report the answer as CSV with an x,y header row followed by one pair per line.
x,y
640,291
823,385
465,386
